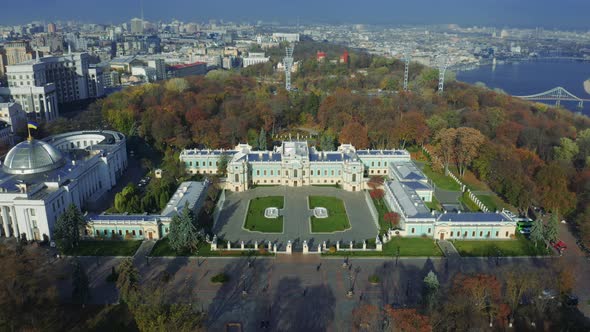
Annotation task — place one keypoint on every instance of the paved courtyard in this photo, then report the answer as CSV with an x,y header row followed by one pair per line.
x,y
296,226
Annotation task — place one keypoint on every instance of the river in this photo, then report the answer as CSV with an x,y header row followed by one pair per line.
x,y
531,77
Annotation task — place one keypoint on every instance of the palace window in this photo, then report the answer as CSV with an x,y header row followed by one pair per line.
x,y
271,172
372,163
279,172
429,231
339,173
413,230
97,232
473,234
265,173
332,173
120,232
488,235
452,233
257,172
354,178
287,173
325,172
465,234
303,172
237,178
480,233
197,163
379,164
140,232
105,232
133,232
190,163
497,233
506,233
210,164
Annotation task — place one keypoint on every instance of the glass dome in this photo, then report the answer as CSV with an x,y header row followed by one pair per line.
x,y
32,157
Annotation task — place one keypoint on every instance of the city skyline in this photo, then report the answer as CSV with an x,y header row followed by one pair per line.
x,y
526,13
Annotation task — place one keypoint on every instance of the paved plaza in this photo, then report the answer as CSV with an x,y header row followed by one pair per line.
x,y
304,292
296,225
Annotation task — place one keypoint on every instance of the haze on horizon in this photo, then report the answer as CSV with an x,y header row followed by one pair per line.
x,y
564,14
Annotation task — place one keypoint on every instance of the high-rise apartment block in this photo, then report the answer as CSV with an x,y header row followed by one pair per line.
x,y
39,85
137,26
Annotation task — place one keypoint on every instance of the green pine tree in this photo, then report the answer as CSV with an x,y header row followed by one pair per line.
x,y
538,232
183,232
67,228
552,229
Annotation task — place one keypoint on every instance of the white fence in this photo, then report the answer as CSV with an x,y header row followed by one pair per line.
x,y
218,207
307,249
372,208
464,188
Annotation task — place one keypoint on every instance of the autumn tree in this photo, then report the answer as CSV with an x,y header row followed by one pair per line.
x,y
377,194
375,182
366,317
407,320
552,188
355,134
468,142
392,218
445,146
157,313
28,294
127,280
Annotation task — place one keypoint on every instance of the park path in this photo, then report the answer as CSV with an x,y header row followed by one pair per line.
x,y
143,251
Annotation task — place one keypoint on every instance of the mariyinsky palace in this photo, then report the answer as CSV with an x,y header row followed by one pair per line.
x,y
295,163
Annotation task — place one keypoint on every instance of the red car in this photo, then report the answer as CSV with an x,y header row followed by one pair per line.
x,y
559,245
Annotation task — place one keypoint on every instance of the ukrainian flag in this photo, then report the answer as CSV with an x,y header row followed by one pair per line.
x,y
32,125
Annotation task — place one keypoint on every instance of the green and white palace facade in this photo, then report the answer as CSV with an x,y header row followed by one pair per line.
x,y
407,189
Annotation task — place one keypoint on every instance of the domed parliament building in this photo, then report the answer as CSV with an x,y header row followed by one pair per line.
x,y
39,179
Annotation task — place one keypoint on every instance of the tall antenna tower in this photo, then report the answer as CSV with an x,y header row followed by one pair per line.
x,y
141,4
406,57
288,60
442,68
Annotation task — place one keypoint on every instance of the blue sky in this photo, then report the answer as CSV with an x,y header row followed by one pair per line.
x,y
517,13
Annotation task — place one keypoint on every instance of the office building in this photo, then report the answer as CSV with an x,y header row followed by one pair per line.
x,y
255,58
137,26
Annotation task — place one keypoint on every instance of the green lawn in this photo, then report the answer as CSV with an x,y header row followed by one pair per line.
x,y
494,203
468,203
440,180
408,247
434,205
256,221
382,210
517,247
105,248
162,248
337,218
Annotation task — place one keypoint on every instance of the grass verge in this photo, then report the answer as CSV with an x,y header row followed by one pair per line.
x,y
105,248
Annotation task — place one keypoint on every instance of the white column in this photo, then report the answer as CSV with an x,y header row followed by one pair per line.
x,y
46,109
27,226
5,221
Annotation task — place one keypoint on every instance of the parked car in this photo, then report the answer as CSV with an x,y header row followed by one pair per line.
x,y
548,294
559,245
525,230
571,300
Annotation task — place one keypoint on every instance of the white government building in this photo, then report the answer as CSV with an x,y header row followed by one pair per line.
x,y
39,179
